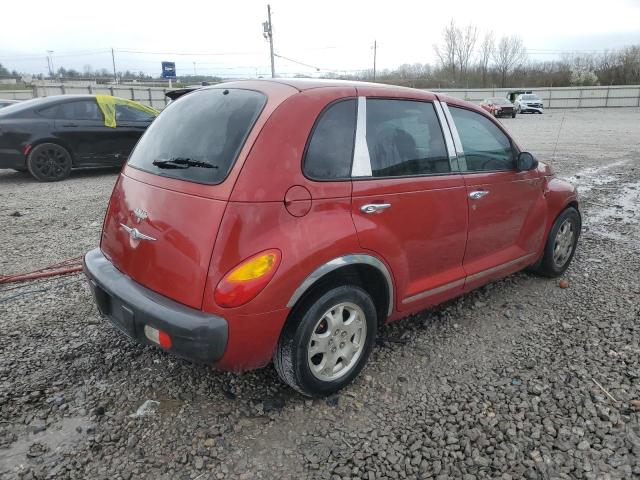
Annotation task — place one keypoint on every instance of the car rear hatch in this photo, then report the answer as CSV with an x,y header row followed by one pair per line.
x,y
168,203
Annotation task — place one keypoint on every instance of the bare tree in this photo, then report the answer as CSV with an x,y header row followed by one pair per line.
x,y
465,43
508,54
446,51
486,51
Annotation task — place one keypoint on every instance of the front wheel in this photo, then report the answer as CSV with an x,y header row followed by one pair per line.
x,y
328,340
561,244
49,162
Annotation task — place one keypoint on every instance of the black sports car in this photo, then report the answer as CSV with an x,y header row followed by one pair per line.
x,y
49,136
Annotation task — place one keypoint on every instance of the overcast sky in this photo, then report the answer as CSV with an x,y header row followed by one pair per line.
x,y
227,39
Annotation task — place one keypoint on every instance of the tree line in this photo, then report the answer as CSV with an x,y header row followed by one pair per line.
x,y
467,59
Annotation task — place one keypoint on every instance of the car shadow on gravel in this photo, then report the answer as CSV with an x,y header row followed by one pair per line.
x,y
12,177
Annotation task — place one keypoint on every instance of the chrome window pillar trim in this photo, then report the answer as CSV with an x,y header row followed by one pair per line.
x,y
331,265
462,162
361,161
434,291
448,138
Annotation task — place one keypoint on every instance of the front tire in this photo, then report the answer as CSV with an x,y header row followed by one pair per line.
x,y
49,162
327,341
561,244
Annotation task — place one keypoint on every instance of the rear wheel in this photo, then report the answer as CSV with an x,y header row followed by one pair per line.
x,y
327,341
513,115
49,162
561,244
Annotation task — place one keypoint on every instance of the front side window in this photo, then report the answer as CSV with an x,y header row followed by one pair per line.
x,y
79,110
404,138
126,113
330,148
485,146
199,136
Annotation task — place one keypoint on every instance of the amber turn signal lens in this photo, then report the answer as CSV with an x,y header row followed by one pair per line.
x,y
253,268
247,280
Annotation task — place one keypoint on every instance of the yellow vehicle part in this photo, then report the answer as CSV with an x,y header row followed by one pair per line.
x,y
107,105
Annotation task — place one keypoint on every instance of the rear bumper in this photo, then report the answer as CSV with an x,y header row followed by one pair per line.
x,y
12,159
197,336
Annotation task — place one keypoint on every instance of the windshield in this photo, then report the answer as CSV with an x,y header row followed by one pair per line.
x,y
198,137
530,97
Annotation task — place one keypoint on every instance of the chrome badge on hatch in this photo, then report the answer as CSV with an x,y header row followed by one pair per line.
x,y
140,214
135,234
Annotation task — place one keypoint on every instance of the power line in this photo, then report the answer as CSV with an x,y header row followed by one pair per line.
x,y
210,54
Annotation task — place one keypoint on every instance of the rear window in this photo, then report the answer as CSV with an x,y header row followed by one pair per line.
x,y
198,137
330,149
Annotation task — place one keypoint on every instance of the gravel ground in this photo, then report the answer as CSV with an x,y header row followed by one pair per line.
x,y
519,379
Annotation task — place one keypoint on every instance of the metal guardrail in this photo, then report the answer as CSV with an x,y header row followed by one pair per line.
x,y
150,96
553,97
561,97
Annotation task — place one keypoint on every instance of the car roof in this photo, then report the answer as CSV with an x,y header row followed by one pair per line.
x,y
303,84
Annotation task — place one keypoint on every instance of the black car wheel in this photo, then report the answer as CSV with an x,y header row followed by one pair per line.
x,y
49,162
327,341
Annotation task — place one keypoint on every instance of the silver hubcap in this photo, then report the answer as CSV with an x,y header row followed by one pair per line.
x,y
337,341
564,244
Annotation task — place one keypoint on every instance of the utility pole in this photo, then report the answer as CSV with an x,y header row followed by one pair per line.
x,y
268,34
113,60
52,70
375,51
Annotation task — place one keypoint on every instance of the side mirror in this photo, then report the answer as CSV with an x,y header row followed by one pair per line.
x,y
526,161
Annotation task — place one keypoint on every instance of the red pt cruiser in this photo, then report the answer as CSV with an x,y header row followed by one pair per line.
x,y
287,220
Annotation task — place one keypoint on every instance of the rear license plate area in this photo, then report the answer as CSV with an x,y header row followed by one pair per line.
x,y
122,316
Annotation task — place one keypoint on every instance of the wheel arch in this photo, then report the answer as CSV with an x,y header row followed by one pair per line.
x,y
363,270
57,141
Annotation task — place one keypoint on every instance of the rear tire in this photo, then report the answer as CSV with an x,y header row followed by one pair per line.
x,y
327,341
513,115
561,244
49,162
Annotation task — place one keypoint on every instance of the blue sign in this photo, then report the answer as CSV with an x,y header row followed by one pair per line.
x,y
168,70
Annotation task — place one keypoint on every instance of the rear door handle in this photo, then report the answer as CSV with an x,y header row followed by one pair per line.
x,y
374,207
478,194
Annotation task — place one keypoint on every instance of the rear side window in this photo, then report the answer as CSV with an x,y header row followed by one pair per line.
x,y
80,110
49,112
198,137
330,149
404,138
486,147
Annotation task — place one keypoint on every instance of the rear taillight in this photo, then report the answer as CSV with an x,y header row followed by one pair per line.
x,y
247,280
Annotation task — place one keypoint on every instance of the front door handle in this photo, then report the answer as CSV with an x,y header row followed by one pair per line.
x,y
478,194
374,207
